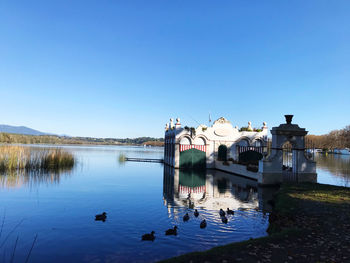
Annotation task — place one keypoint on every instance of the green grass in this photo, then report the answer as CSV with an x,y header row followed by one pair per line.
x,y
290,194
26,158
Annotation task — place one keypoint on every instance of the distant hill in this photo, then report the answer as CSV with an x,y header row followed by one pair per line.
x,y
20,130
25,135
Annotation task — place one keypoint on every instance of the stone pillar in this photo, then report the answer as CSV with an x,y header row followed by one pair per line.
x,y
270,168
177,156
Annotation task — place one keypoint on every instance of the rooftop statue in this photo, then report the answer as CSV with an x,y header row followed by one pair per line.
x,y
221,120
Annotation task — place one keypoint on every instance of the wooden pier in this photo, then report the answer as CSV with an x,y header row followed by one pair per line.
x,y
147,160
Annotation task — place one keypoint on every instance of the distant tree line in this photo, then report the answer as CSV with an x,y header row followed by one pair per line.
x,y
339,139
53,139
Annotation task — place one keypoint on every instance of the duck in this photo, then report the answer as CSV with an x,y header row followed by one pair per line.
x,y
186,217
196,213
222,212
224,219
171,231
101,217
203,224
148,237
230,212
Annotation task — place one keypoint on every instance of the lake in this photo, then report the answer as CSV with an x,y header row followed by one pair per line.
x,y
138,197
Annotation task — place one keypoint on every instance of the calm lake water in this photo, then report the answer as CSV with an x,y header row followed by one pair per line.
x,y
333,169
138,198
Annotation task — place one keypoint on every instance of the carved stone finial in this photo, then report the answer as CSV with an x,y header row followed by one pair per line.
x,y
171,124
265,125
250,126
288,118
178,124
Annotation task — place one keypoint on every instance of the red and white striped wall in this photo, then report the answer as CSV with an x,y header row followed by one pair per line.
x,y
195,190
184,147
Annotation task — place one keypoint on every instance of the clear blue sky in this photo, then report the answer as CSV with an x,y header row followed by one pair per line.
x,y
123,68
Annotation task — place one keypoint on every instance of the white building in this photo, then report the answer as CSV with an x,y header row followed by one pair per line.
x,y
224,147
201,147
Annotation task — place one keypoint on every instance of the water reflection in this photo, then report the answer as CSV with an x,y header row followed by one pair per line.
x,y
101,185
333,169
209,190
30,179
337,164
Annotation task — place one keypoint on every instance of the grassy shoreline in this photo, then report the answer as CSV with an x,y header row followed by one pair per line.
x,y
309,223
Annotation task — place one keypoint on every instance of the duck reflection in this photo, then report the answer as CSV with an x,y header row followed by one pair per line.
x,y
210,189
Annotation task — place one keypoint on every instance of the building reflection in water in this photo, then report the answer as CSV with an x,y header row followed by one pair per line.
x,y
211,190
23,178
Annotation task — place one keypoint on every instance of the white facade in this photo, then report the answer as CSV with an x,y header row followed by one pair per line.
x,y
208,140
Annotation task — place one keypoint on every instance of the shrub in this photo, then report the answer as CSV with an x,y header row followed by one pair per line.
x,y
245,129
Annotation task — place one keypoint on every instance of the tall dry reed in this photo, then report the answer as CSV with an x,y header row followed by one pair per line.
x,y
19,157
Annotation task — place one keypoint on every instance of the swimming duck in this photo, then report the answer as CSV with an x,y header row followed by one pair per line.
x,y
101,217
171,231
224,219
186,217
230,212
196,213
148,237
222,212
203,224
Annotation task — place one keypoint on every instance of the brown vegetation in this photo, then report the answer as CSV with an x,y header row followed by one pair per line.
x,y
27,158
335,139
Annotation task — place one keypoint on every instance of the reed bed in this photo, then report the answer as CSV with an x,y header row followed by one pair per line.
x,y
26,158
122,158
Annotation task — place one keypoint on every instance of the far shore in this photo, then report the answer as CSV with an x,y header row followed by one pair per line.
x,y
11,138
80,144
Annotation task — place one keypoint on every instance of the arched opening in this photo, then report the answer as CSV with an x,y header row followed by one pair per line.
x,y
185,141
192,155
222,153
258,143
287,157
243,142
199,141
